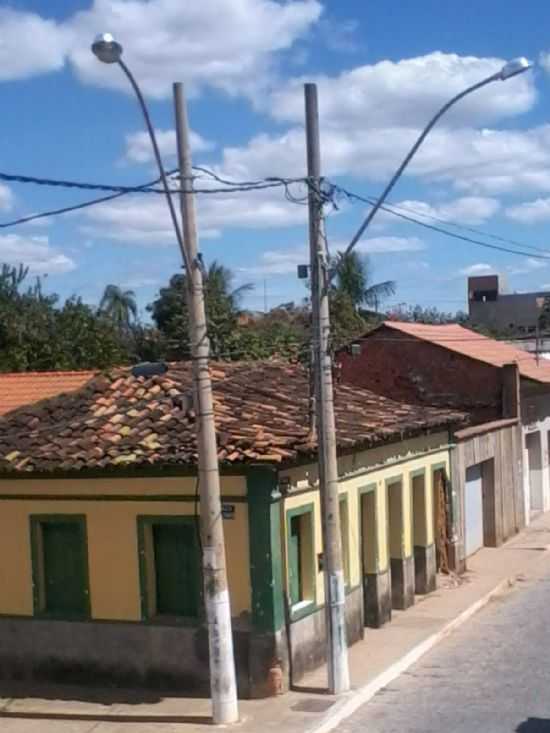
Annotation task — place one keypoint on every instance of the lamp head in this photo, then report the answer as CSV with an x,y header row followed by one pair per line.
x,y
514,67
107,49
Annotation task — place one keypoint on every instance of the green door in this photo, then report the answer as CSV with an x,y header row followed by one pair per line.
x,y
294,564
176,570
64,550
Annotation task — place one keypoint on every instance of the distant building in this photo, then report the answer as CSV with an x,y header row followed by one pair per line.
x,y
489,306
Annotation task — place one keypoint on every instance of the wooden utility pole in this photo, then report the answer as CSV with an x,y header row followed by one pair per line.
x,y
335,598
216,594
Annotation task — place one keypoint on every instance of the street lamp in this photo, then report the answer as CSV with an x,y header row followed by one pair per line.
x,y
109,51
223,683
510,69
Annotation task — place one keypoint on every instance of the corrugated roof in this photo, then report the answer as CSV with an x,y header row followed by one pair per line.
x,y
261,411
22,388
469,343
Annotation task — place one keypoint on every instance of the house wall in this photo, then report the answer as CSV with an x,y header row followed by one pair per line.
x,y
405,368
508,312
115,646
370,470
111,507
535,417
503,502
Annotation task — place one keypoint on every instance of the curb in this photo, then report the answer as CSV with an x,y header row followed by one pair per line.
x,y
352,701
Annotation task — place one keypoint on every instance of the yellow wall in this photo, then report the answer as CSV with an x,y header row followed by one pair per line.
x,y
112,538
373,469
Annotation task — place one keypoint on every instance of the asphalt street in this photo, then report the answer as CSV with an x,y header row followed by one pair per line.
x,y
490,676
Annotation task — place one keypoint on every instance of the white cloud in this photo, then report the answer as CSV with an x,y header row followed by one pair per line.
x,y
230,45
7,199
377,245
480,268
273,262
526,266
225,44
470,210
30,44
409,91
339,36
36,253
544,60
138,145
530,212
481,163
145,219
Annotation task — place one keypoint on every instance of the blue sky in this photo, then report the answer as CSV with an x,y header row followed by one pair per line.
x,y
382,69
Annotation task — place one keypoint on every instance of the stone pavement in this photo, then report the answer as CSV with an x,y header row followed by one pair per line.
x,y
375,662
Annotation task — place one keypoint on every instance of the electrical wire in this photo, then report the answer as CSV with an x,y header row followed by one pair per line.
x,y
464,227
235,187
350,195
328,192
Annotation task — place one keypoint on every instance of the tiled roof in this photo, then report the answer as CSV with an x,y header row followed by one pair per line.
x,y
22,388
474,345
261,411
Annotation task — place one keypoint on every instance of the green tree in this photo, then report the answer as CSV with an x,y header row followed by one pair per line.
x,y
119,306
170,314
37,334
353,277
429,315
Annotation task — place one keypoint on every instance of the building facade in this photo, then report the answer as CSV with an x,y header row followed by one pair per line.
x,y
504,390
514,312
99,536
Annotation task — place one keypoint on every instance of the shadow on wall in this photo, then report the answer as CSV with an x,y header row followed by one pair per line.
x,y
534,725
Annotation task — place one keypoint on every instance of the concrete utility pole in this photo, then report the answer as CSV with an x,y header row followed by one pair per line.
x,y
216,595
337,651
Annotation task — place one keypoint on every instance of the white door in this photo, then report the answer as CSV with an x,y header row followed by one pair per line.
x,y
473,515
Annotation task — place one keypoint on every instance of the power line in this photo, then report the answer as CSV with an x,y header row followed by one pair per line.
x,y
328,192
440,230
466,228
231,187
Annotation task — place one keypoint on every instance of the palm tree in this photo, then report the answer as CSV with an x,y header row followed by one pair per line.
x,y
119,306
353,275
218,281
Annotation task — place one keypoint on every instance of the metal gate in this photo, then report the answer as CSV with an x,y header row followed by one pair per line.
x,y
473,500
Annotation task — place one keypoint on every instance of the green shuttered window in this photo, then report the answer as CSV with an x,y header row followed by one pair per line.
x,y
170,567
60,566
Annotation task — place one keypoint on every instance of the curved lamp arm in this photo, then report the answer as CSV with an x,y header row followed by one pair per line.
x,y
162,172
512,68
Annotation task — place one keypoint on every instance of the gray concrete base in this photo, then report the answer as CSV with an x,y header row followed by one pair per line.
x,y
457,556
308,638
377,591
132,655
402,582
424,569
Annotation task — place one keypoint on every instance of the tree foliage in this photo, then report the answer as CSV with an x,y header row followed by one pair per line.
x,y
35,334
430,315
119,306
170,314
353,278
39,332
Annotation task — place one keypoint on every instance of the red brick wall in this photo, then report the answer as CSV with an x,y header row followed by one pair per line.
x,y
404,368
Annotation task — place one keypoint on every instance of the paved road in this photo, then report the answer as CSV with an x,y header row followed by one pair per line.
x,y
491,676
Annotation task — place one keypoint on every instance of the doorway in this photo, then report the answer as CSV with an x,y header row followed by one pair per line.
x,y
534,467
473,510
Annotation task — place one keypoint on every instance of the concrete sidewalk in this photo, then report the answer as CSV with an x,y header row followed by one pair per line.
x,y
381,657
